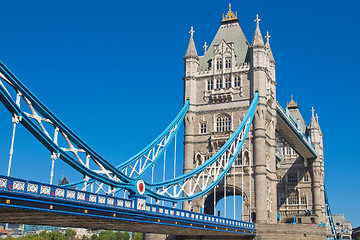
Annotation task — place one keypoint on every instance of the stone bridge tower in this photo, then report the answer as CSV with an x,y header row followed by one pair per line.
x,y
220,85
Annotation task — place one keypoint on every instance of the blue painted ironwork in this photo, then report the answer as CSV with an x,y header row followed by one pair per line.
x,y
113,176
104,206
277,153
116,176
44,138
330,218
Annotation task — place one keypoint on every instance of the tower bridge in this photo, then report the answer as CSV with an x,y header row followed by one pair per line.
x,y
238,141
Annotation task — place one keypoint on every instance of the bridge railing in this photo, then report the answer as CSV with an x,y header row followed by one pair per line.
x,y
14,185
295,127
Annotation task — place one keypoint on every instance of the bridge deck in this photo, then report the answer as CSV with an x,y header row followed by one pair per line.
x,y
21,202
20,216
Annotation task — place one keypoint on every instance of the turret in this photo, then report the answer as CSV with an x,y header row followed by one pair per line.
x,y
314,130
191,62
191,57
258,61
258,66
317,168
270,55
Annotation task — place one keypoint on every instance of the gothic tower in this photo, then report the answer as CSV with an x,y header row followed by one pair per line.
x,y
220,86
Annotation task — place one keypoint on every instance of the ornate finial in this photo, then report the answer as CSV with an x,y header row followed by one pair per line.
x,y
205,48
257,20
192,31
268,37
292,103
313,111
317,118
230,15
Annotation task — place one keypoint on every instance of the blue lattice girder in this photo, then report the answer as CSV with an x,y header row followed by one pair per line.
x,y
42,114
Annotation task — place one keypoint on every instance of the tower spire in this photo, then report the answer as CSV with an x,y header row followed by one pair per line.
x,y
312,112
313,122
267,38
268,48
258,39
191,49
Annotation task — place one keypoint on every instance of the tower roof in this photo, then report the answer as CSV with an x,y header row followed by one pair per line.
x,y
231,32
257,39
191,49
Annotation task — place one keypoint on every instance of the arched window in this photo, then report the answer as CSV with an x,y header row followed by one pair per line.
x,y
237,81
219,63
306,178
198,159
223,124
293,198
228,63
210,85
303,200
227,82
209,64
219,83
246,158
292,177
203,128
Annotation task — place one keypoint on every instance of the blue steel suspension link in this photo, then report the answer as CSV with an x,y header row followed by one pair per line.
x,y
129,183
13,108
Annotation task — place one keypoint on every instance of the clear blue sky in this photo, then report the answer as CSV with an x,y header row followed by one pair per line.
x,y
112,71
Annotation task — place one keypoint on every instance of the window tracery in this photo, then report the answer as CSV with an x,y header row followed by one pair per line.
x,y
223,123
